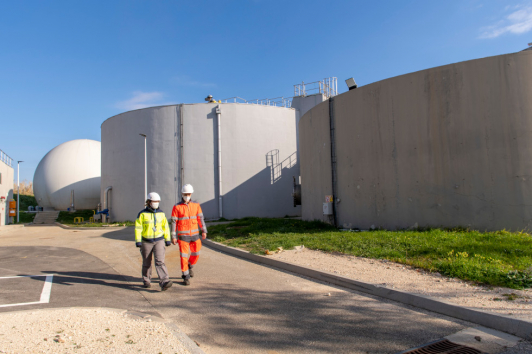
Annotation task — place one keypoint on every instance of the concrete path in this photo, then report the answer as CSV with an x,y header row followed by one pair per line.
x,y
232,306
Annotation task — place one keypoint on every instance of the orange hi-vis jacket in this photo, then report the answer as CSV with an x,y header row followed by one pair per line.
x,y
187,220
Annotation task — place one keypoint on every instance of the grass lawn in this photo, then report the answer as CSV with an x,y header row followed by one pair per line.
x,y
498,258
24,217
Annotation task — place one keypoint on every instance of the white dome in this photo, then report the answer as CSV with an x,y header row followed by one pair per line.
x,y
74,165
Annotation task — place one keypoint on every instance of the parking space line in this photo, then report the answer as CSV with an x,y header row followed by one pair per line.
x,y
46,290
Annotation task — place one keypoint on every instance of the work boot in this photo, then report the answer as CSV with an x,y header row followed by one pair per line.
x,y
147,285
190,271
166,285
186,281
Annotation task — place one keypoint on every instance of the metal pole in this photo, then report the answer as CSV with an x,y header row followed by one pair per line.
x,y
18,189
219,118
145,169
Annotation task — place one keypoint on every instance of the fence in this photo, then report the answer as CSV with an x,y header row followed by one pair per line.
x,y
328,87
6,159
277,101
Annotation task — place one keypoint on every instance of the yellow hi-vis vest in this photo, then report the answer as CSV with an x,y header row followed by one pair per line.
x,y
151,226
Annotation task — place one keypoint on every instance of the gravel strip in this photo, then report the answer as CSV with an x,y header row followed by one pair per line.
x,y
75,330
509,302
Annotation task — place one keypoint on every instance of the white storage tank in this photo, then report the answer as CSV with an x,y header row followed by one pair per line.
x,y
72,168
258,159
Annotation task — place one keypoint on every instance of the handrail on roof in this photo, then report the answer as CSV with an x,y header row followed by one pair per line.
x,y
327,87
6,159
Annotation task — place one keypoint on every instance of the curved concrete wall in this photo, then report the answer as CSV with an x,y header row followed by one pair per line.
x,y
71,166
448,146
251,185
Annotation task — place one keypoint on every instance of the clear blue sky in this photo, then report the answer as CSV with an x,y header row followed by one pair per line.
x,y
66,66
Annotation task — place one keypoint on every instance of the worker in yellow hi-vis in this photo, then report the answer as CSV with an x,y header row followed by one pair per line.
x,y
151,235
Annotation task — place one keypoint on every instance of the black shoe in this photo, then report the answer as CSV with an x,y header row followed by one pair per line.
x,y
166,285
147,285
186,281
190,272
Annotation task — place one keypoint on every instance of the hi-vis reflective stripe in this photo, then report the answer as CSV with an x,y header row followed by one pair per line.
x,y
200,214
173,218
189,238
184,255
185,272
195,253
193,232
183,218
148,222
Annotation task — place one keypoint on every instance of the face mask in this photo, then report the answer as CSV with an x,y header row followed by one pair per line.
x,y
186,198
154,205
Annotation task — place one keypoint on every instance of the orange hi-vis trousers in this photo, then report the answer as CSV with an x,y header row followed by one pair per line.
x,y
192,247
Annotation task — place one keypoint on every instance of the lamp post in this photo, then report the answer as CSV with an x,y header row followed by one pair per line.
x,y
145,168
18,189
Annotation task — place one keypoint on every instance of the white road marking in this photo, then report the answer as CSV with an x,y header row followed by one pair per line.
x,y
46,290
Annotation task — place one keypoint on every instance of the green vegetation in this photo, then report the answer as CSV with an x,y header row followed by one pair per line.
x,y
24,217
498,258
25,201
67,218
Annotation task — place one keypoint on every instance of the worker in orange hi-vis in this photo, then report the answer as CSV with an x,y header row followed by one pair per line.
x,y
187,221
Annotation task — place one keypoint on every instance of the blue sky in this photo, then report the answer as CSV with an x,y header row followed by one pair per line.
x,y
66,66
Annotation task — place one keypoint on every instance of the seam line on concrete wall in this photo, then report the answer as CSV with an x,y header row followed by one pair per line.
x,y
333,159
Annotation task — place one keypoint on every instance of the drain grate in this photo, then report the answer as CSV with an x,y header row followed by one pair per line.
x,y
443,347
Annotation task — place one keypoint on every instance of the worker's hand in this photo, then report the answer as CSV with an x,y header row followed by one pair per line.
x,y
138,244
203,235
174,241
167,243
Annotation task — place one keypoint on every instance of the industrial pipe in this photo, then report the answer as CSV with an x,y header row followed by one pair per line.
x,y
219,121
72,200
105,201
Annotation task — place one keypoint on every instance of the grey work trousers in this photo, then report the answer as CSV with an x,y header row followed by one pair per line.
x,y
147,250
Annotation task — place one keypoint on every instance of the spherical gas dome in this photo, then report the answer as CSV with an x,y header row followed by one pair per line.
x,y
71,166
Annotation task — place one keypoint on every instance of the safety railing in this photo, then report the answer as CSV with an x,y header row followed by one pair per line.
x,y
277,101
327,86
6,159
234,100
277,168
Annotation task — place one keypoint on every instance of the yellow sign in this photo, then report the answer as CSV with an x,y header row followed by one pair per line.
x,y
328,199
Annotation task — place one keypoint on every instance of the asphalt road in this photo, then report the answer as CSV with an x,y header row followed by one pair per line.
x,y
232,305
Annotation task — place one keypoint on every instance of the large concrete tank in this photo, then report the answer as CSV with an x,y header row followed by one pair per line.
x,y
71,166
258,149
448,146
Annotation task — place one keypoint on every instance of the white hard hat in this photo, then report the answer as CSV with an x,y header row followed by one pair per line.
x,y
187,188
154,197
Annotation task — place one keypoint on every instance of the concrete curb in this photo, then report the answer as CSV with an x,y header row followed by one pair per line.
x,y
518,327
187,342
90,228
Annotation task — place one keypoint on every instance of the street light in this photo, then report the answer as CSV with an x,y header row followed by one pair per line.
x,y
18,189
351,84
145,169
